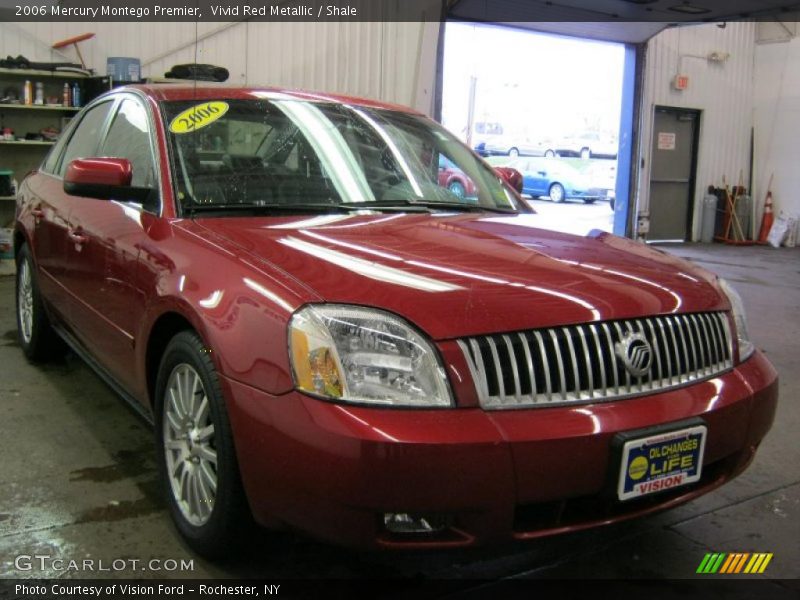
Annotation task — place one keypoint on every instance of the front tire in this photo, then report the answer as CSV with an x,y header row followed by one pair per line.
x,y
36,336
557,193
197,459
513,152
549,154
586,154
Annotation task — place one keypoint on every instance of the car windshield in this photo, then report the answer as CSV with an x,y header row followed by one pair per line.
x,y
286,153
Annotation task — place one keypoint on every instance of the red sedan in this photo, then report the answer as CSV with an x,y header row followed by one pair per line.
x,y
454,179
326,338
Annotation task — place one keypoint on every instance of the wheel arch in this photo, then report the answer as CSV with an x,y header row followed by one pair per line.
x,y
20,238
164,328
458,179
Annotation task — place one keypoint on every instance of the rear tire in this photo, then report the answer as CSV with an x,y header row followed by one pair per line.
x,y
457,189
549,153
35,334
513,152
196,455
589,200
586,154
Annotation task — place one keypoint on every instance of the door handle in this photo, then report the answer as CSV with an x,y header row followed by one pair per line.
x,y
78,237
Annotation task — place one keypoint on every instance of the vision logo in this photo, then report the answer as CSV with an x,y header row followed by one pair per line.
x,y
734,563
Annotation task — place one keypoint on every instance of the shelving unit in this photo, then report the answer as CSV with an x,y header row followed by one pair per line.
x,y
35,73
53,107
26,143
22,155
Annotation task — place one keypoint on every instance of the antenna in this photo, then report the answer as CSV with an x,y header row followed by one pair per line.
x,y
196,44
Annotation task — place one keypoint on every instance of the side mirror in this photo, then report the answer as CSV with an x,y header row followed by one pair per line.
x,y
510,176
104,179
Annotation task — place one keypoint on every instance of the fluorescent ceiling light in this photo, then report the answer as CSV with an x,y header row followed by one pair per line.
x,y
690,9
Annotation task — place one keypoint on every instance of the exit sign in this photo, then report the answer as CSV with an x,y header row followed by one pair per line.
x,y
681,82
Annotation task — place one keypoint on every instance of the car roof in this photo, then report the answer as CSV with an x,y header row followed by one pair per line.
x,y
209,91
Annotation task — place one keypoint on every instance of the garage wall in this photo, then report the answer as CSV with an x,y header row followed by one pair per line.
x,y
394,62
723,91
777,122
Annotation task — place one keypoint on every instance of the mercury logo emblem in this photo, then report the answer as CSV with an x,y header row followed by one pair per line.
x,y
636,353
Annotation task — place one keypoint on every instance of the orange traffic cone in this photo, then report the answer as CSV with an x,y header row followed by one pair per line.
x,y
767,218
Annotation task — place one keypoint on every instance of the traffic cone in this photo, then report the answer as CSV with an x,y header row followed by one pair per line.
x,y
766,219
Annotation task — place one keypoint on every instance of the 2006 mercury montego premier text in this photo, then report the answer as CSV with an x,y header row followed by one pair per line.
x,y
328,339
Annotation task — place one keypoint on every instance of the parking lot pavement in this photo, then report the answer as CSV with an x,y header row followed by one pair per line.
x,y
573,216
79,478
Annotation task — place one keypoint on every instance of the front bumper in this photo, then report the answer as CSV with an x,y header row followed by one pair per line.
x,y
333,470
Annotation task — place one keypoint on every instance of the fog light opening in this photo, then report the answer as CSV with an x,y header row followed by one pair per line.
x,y
406,523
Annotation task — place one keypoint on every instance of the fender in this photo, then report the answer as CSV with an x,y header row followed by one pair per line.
x,y
240,308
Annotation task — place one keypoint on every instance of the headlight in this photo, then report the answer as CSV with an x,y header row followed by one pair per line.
x,y
746,347
366,356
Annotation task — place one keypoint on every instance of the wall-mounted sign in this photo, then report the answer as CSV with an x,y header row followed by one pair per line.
x,y
666,140
681,82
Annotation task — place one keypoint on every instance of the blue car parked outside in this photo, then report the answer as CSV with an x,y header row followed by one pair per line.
x,y
554,178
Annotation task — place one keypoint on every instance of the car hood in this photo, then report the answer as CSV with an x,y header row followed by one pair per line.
x,y
455,275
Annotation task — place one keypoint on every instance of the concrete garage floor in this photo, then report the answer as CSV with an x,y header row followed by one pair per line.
x,y
79,480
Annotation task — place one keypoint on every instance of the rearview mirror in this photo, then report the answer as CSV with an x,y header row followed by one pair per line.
x,y
104,179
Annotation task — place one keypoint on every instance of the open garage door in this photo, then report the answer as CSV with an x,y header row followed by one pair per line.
x,y
548,106
629,22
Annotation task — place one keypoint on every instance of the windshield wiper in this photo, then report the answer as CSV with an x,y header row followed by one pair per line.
x,y
191,209
303,208
392,205
422,203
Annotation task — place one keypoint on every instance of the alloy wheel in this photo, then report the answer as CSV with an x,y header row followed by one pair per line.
x,y
557,193
25,301
191,455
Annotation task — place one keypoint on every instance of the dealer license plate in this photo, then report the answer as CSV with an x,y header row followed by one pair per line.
x,y
661,462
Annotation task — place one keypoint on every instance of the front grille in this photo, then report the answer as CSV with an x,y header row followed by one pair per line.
x,y
579,363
